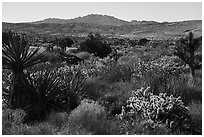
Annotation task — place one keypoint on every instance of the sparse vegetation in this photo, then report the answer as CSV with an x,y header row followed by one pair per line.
x,y
97,91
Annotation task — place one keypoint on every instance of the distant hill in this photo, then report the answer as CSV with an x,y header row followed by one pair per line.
x,y
94,19
107,25
89,19
51,20
100,20
135,22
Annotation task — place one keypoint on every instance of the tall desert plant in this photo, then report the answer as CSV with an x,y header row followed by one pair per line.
x,y
17,57
186,48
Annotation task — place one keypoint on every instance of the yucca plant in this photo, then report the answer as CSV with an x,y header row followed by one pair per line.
x,y
51,95
57,90
75,87
17,57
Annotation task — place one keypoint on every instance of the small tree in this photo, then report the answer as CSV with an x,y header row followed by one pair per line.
x,y
185,49
65,42
96,45
142,41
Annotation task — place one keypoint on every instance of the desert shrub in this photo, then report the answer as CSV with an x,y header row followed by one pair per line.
x,y
89,115
95,88
195,112
176,85
135,127
90,68
156,109
188,91
116,97
162,82
116,73
198,79
142,41
128,60
71,59
44,128
14,116
94,44
45,66
151,55
12,120
36,129
77,131
57,119
53,58
170,65
170,76
13,123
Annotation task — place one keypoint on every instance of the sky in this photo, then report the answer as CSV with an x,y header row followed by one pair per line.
x,y
17,12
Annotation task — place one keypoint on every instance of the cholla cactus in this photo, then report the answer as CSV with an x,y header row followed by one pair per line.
x,y
158,108
122,115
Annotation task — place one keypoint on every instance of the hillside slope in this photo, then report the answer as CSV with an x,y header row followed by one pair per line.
x,y
107,25
89,19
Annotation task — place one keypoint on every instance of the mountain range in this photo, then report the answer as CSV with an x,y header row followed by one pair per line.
x,y
96,19
107,25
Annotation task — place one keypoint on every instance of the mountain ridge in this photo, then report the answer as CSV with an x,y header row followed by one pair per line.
x,y
89,19
107,25
97,19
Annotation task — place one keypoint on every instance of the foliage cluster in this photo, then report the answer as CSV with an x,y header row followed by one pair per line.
x,y
94,44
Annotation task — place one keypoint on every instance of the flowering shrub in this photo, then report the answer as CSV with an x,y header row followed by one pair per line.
x,y
157,108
